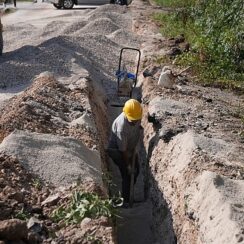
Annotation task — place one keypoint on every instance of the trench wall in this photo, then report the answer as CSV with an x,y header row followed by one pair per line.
x,y
195,182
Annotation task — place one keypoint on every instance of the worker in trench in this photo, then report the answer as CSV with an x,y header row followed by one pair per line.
x,y
123,144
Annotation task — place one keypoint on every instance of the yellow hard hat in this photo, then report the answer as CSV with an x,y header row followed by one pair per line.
x,y
132,110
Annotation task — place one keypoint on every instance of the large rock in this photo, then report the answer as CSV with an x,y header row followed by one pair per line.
x,y
217,204
55,159
13,229
160,107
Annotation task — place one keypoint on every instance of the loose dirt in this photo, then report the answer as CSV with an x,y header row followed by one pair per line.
x,y
192,150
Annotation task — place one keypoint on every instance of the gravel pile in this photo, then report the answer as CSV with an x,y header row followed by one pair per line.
x,y
24,196
48,110
92,41
56,160
103,26
49,107
124,37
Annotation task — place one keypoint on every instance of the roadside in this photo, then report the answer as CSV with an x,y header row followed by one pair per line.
x,y
194,141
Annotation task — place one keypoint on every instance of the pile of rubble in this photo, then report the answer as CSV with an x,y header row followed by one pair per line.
x,y
26,200
47,106
26,206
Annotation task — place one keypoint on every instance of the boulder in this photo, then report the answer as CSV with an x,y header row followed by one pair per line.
x,y
166,79
159,108
13,229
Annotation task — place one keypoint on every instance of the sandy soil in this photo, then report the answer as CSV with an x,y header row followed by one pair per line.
x,y
192,134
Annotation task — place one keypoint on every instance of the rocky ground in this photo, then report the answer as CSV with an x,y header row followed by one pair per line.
x,y
35,165
54,128
55,125
193,136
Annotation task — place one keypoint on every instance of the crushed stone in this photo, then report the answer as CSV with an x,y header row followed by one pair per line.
x,y
56,160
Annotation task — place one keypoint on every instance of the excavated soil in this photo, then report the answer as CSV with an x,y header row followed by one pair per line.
x,y
193,137
192,150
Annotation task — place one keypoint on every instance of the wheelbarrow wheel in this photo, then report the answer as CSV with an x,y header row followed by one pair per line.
x,y
120,2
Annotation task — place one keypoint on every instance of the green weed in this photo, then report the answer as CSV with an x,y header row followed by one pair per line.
x,y
37,183
175,3
107,178
22,215
215,31
85,204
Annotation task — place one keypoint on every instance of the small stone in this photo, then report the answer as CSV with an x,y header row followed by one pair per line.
x,y
36,209
174,51
18,196
150,71
240,239
35,225
104,221
1,181
109,229
34,238
85,222
180,39
8,190
51,200
200,116
208,99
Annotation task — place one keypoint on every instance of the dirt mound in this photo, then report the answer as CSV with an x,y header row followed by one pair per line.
x,y
215,200
102,26
24,196
49,107
184,141
56,160
17,187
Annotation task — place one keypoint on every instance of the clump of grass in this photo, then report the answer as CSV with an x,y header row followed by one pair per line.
x,y
22,215
174,3
217,51
37,183
85,204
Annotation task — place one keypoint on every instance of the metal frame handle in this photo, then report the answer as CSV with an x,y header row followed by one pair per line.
x,y
138,63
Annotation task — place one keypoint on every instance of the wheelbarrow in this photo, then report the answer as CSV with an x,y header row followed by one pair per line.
x,y
127,81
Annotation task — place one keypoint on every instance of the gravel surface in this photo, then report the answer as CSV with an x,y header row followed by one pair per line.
x,y
57,160
92,41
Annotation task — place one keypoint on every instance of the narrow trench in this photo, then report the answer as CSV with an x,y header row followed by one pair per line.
x,y
150,220
134,226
